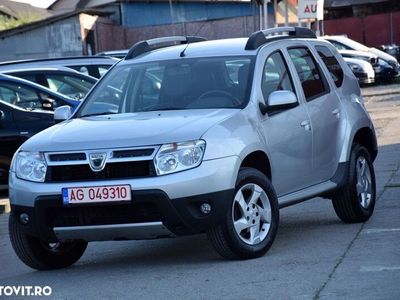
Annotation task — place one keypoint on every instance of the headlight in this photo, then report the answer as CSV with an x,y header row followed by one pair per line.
x,y
179,156
30,166
354,67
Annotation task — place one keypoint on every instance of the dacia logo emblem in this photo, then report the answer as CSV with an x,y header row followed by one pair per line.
x,y
97,161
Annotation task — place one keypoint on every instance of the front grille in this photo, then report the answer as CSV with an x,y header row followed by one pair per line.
x,y
102,215
67,157
116,170
132,153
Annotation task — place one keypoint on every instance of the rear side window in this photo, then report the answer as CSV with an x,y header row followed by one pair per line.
x,y
311,78
331,64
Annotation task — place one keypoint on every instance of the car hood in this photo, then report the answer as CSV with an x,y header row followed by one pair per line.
x,y
127,130
383,55
355,53
362,63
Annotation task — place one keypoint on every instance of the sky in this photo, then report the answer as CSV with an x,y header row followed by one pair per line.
x,y
38,3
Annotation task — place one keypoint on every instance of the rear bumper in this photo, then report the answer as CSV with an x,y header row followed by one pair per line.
x,y
150,214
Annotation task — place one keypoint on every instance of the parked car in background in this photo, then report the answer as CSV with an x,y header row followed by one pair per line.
x,y
25,109
342,42
392,49
31,96
16,126
94,66
58,79
383,71
114,53
362,69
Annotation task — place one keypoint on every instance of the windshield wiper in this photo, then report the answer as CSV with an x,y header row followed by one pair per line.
x,y
100,114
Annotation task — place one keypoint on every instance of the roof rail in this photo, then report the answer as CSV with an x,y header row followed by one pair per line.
x,y
149,45
259,38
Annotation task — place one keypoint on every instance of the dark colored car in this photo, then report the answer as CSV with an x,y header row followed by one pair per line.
x,y
392,49
63,80
25,109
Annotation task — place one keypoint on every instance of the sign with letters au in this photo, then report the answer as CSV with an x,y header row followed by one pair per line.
x,y
310,9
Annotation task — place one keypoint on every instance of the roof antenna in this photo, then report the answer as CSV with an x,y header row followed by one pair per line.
x,y
183,51
197,32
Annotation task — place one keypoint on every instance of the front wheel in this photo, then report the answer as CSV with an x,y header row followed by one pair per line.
x,y
355,201
41,255
251,222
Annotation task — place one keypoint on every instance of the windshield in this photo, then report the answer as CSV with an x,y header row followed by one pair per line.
x,y
186,83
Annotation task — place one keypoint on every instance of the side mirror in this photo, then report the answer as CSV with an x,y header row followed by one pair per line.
x,y
279,100
62,113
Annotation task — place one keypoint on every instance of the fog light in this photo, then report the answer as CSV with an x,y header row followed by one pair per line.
x,y
205,208
24,218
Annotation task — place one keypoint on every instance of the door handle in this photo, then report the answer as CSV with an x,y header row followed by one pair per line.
x,y
336,112
306,125
2,115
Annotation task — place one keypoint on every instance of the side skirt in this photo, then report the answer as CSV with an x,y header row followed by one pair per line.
x,y
320,189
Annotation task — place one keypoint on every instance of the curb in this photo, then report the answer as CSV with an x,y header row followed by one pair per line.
x,y
381,94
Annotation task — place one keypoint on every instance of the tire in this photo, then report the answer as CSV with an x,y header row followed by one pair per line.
x,y
262,218
40,255
355,201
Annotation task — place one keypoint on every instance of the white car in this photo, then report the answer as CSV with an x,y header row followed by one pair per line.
x,y
362,69
342,42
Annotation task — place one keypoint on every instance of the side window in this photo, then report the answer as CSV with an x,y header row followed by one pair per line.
x,y
276,76
340,46
19,95
72,86
331,64
312,81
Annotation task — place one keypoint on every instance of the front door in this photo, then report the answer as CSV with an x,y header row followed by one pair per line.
x,y
287,132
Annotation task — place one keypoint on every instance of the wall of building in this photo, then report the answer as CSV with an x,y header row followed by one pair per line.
x,y
373,30
60,38
113,37
155,13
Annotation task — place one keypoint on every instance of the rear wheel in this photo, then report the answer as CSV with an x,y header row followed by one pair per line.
x,y
355,201
251,222
41,255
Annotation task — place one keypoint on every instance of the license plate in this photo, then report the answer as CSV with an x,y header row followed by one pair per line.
x,y
96,194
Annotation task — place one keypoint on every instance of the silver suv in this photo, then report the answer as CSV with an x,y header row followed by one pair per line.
x,y
188,136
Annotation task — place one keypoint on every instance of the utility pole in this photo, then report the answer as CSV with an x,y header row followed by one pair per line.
x,y
286,13
265,12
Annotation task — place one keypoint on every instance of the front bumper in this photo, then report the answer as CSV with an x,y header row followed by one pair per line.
x,y
172,200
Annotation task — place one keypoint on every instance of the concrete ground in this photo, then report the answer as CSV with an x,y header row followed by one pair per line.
x,y
315,255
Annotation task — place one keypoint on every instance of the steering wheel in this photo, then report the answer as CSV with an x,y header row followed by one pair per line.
x,y
220,93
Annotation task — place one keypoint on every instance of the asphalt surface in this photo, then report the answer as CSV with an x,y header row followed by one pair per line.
x,y
315,255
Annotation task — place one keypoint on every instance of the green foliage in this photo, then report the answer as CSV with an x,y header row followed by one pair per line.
x,y
8,23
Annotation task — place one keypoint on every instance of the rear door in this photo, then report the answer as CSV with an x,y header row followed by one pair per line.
x,y
323,107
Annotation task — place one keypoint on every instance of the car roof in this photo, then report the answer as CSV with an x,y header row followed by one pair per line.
x,y
62,59
357,53
55,70
214,48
